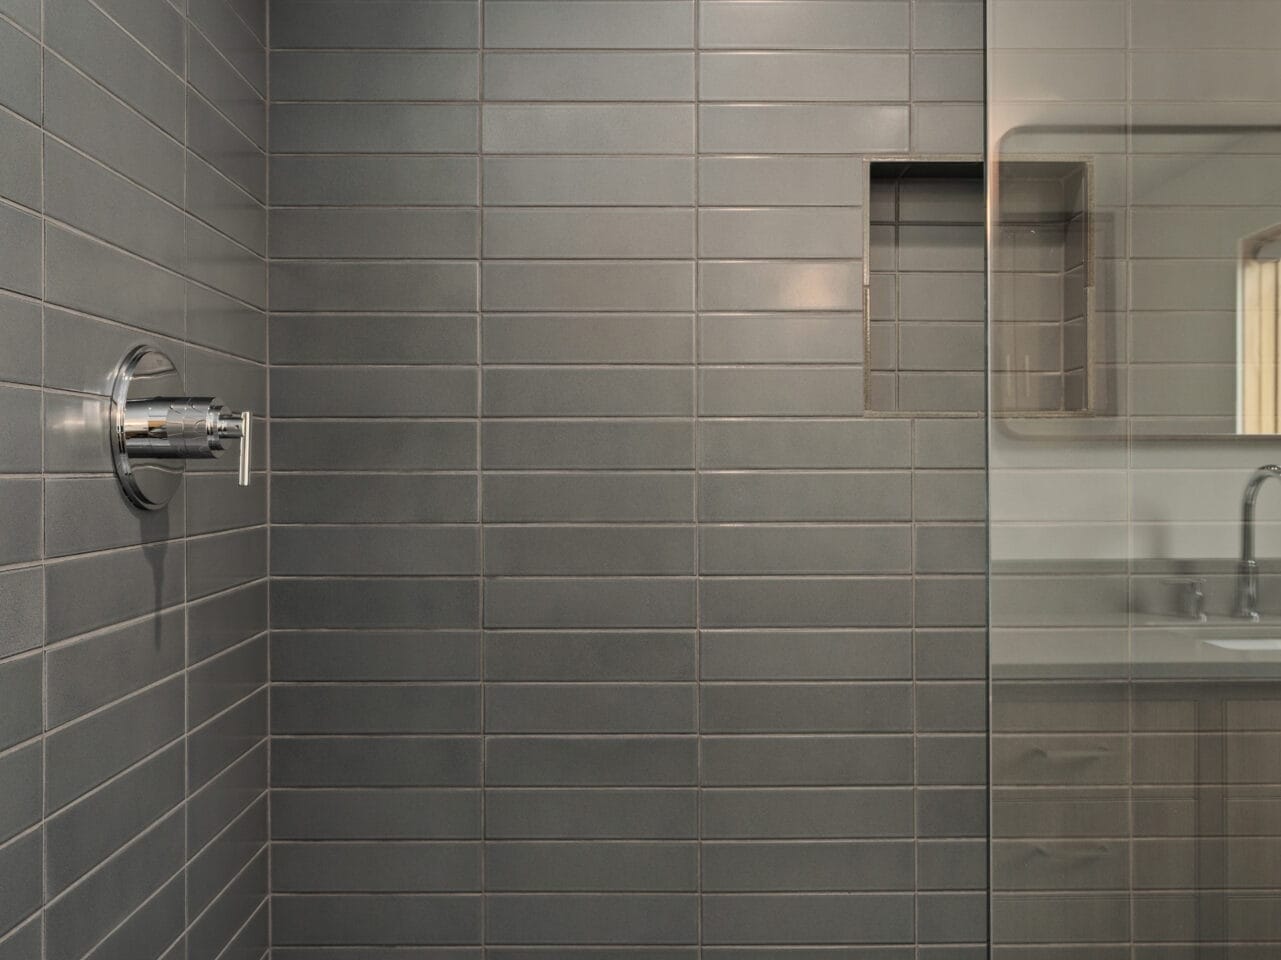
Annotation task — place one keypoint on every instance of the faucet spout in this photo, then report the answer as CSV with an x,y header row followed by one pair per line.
x,y
1247,595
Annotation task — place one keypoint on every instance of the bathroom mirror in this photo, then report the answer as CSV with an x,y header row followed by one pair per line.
x,y
1136,277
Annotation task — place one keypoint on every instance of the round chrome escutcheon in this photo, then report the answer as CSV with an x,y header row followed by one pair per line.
x,y
144,373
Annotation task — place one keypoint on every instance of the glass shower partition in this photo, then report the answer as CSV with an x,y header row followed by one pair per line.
x,y
1134,211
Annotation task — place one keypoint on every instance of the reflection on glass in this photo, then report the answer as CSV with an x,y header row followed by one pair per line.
x,y
1136,745
1258,399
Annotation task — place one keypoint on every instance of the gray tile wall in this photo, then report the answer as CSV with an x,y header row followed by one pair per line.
x,y
604,623
133,651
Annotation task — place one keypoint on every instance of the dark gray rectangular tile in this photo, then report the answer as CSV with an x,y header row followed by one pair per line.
x,y
602,338
806,602
588,285
808,497
590,867
809,549
771,813
587,497
20,863
593,761
373,128
20,502
411,286
590,708
602,918
374,75
806,655
555,23
574,233
587,445
374,602
378,920
870,866
796,918
802,128
20,249
375,814
801,25
372,339
22,597
807,761
568,603
21,57
597,656
584,814
394,867
373,179
613,75
387,445
20,689
364,234
20,334
588,128
306,23
765,444
373,498
813,181
376,762
22,790
374,392
20,434
347,655
588,181
778,285
807,708
788,338
593,551
338,708
550,392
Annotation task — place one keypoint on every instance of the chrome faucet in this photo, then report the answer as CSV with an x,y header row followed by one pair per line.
x,y
1247,602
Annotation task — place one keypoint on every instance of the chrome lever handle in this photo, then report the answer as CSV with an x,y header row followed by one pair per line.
x,y
246,445
239,425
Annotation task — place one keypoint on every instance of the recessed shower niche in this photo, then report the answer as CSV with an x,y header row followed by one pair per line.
x,y
924,287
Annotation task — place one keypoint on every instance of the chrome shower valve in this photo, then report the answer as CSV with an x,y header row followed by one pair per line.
x,y
155,430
